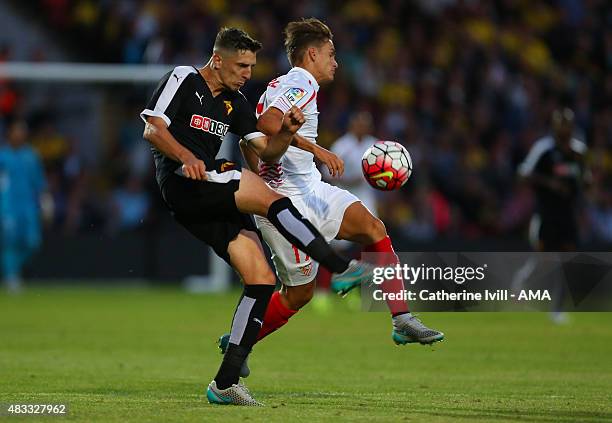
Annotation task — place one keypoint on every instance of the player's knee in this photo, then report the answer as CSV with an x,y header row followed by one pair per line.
x,y
260,274
267,276
299,296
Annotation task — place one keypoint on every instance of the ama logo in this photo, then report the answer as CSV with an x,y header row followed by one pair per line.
x,y
538,295
294,95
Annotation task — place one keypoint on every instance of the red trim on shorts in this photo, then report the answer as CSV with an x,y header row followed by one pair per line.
x,y
297,254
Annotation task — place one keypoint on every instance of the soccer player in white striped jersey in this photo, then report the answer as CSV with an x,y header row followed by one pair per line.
x,y
335,212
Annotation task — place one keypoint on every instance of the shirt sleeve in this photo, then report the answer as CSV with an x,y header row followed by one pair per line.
x,y
533,161
295,92
166,99
244,121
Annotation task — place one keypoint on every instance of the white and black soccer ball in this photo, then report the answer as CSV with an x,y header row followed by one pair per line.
x,y
386,165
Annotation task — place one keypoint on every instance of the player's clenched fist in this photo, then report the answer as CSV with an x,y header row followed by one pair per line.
x,y
293,120
194,168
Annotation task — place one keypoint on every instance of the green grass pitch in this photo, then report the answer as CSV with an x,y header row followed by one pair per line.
x,y
120,355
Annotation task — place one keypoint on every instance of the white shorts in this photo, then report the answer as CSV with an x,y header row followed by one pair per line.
x,y
324,207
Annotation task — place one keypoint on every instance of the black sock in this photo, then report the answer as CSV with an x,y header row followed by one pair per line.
x,y
300,232
248,319
229,372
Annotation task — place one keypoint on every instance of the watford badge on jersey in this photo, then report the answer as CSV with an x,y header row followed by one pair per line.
x,y
228,106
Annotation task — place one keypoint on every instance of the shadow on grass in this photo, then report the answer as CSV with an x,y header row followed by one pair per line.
x,y
470,413
518,415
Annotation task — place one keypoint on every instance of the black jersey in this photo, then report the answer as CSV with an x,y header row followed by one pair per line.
x,y
195,118
547,159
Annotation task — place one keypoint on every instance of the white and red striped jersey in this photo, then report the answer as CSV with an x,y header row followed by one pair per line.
x,y
296,173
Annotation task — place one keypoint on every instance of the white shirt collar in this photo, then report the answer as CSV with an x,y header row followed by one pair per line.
x,y
307,75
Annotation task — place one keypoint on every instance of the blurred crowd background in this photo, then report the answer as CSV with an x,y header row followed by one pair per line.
x,y
466,86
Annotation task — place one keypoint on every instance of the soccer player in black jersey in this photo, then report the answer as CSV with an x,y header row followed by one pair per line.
x,y
186,119
555,168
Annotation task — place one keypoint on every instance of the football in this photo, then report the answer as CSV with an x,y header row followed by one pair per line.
x,y
386,165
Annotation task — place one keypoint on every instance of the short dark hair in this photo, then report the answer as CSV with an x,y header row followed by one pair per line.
x,y
299,35
234,39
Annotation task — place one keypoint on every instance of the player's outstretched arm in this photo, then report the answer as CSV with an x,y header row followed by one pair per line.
x,y
270,123
156,132
271,148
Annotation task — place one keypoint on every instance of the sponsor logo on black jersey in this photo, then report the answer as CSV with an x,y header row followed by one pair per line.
x,y
209,125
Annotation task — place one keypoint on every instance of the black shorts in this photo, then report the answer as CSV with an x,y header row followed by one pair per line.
x,y
208,210
558,234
